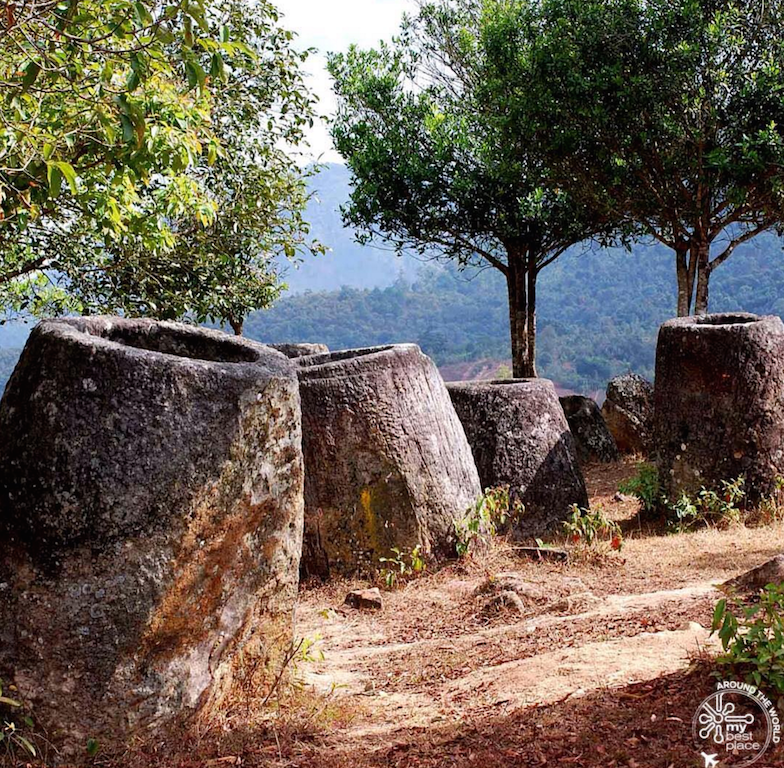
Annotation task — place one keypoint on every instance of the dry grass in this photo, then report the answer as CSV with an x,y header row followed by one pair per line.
x,y
414,684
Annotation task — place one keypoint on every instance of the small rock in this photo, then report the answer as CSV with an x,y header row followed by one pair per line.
x,y
506,601
514,583
365,599
758,578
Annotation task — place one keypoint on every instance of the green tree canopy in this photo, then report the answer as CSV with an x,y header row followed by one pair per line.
x,y
438,167
146,164
668,114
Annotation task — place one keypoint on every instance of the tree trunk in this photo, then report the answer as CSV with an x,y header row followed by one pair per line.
x,y
682,268
703,279
236,324
518,314
533,273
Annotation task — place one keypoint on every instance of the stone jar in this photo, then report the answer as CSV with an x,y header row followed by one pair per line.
x,y
718,403
520,437
628,412
387,464
591,435
151,511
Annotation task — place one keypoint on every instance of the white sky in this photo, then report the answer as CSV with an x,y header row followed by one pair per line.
x,y
332,25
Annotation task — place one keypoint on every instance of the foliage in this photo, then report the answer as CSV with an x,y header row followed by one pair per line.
x,y
592,529
401,566
645,486
15,739
771,509
176,200
665,113
438,167
709,507
493,510
753,638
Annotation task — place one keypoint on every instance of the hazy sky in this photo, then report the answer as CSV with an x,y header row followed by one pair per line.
x,y
332,25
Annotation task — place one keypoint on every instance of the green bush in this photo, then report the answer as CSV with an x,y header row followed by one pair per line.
x,y
753,638
493,510
709,507
592,529
14,725
401,565
645,486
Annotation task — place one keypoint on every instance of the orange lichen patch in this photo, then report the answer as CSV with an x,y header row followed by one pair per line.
x,y
215,555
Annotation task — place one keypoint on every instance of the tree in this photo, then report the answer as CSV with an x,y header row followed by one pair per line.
x,y
438,167
224,269
666,114
125,182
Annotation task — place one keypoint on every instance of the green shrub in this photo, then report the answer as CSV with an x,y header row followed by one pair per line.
x,y
753,638
14,724
493,510
709,507
592,529
645,486
402,565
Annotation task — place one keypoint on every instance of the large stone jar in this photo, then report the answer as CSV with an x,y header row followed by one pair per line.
x,y
718,403
628,412
151,519
520,437
386,458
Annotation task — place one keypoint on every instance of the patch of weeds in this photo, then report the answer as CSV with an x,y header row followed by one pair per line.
x,y
491,513
645,487
753,638
16,729
709,508
401,566
592,532
770,510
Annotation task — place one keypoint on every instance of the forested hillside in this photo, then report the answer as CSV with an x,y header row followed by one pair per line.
x,y
599,311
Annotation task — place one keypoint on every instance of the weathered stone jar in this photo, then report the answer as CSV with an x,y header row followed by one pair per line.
x,y
387,463
591,435
151,492
718,403
628,412
520,437
300,349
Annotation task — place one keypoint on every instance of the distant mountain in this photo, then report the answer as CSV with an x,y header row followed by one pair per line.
x,y
347,263
599,311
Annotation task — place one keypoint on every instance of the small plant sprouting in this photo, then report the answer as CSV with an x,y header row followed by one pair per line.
x,y
493,510
709,507
645,486
401,566
11,736
592,529
752,637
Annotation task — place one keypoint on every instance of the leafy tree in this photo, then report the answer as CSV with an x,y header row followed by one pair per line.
x,y
224,269
126,179
438,167
668,114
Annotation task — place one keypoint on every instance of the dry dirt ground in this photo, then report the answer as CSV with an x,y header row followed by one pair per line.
x,y
605,667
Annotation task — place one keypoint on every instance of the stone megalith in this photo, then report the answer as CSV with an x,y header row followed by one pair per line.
x,y
300,350
151,511
387,463
718,403
520,437
628,412
593,439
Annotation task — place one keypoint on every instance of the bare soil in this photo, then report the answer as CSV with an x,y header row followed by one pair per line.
x,y
605,666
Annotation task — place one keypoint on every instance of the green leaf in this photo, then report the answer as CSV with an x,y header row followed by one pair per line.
x,y
31,73
55,178
69,174
92,747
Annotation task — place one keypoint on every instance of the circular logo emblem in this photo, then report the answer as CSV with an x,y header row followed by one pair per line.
x,y
735,726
